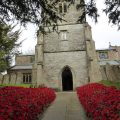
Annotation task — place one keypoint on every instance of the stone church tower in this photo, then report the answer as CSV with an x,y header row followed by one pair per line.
x,y
67,59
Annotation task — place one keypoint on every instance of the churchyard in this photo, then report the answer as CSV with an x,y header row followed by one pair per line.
x,y
100,101
61,80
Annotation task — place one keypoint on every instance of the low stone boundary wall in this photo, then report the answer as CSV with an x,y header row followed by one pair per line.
x,y
111,73
11,79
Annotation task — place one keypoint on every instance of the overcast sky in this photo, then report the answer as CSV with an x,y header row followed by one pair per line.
x,y
102,33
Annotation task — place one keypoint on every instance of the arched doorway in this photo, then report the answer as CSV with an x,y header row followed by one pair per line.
x,y
67,79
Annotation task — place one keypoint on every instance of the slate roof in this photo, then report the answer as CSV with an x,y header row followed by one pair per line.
x,y
22,67
105,49
111,62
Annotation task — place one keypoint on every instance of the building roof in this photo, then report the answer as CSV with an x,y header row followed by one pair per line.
x,y
105,49
111,62
22,67
26,55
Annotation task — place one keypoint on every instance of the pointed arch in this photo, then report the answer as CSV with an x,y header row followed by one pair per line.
x,y
67,79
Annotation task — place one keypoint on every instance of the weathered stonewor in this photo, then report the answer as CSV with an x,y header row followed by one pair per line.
x,y
111,73
68,52
1,79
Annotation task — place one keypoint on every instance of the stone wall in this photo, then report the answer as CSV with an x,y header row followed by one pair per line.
x,y
111,73
9,78
6,79
72,14
14,77
93,65
103,73
74,39
118,49
1,78
34,74
24,59
70,52
54,64
113,53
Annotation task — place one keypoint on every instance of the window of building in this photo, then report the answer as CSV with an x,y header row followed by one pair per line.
x,y
103,55
24,78
65,7
63,35
27,78
62,7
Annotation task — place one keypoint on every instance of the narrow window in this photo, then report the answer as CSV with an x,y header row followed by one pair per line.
x,y
65,7
60,8
30,78
23,78
27,78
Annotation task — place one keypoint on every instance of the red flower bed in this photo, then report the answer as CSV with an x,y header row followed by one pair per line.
x,y
17,103
100,102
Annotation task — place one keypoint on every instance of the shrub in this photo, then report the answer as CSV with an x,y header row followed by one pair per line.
x,y
100,102
17,103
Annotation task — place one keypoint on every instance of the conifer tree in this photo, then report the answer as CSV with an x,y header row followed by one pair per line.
x,y
8,45
30,10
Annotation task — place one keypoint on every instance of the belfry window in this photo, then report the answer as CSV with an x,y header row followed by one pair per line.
x,y
27,78
63,7
60,7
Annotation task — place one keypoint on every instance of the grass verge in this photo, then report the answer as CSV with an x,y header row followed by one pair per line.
x,y
110,83
17,85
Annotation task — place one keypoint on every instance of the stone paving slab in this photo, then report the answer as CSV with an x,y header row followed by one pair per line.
x,y
65,107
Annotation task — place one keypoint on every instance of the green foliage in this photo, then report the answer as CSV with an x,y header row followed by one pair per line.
x,y
8,45
20,85
27,10
113,11
111,83
89,8
45,11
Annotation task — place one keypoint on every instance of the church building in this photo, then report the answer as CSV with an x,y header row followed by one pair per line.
x,y
65,59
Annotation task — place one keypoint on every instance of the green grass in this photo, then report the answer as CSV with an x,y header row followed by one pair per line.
x,y
110,83
17,85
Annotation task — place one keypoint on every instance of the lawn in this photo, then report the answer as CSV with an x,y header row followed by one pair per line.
x,y
18,85
110,83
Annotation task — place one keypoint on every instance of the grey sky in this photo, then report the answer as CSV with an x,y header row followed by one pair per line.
x,y
102,33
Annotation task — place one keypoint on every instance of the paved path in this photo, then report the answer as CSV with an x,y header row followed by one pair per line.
x,y
65,107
